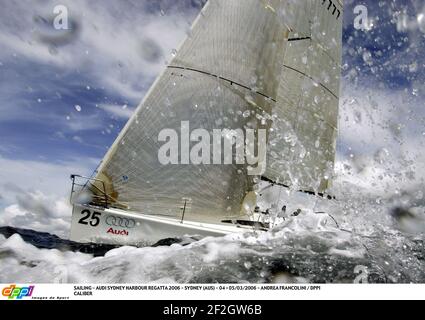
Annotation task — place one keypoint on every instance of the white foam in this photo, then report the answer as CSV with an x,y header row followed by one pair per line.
x,y
211,259
22,262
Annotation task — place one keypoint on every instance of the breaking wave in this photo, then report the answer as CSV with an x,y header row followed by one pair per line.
x,y
305,249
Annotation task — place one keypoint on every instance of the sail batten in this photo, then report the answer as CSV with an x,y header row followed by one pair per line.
x,y
231,82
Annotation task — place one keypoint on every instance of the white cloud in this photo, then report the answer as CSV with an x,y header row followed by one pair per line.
x,y
121,52
77,123
32,176
36,211
35,194
78,139
121,112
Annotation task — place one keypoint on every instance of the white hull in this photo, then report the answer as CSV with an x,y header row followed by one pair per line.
x,y
114,226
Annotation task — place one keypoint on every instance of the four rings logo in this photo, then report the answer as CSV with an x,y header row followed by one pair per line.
x,y
120,222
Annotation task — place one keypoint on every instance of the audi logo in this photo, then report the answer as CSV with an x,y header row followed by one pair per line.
x,y
120,222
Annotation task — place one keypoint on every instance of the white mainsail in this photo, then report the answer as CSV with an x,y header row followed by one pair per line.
x,y
237,59
302,141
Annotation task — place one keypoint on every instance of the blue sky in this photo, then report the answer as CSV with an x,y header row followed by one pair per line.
x,y
42,83
118,48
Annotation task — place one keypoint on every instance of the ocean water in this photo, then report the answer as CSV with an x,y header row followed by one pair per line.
x,y
309,248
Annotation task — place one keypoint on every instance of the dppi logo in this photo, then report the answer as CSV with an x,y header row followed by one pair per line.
x,y
13,292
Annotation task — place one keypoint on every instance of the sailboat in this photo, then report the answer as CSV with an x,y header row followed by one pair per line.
x,y
269,65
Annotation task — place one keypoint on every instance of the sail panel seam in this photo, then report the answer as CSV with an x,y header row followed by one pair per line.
x,y
299,39
321,194
311,78
223,78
